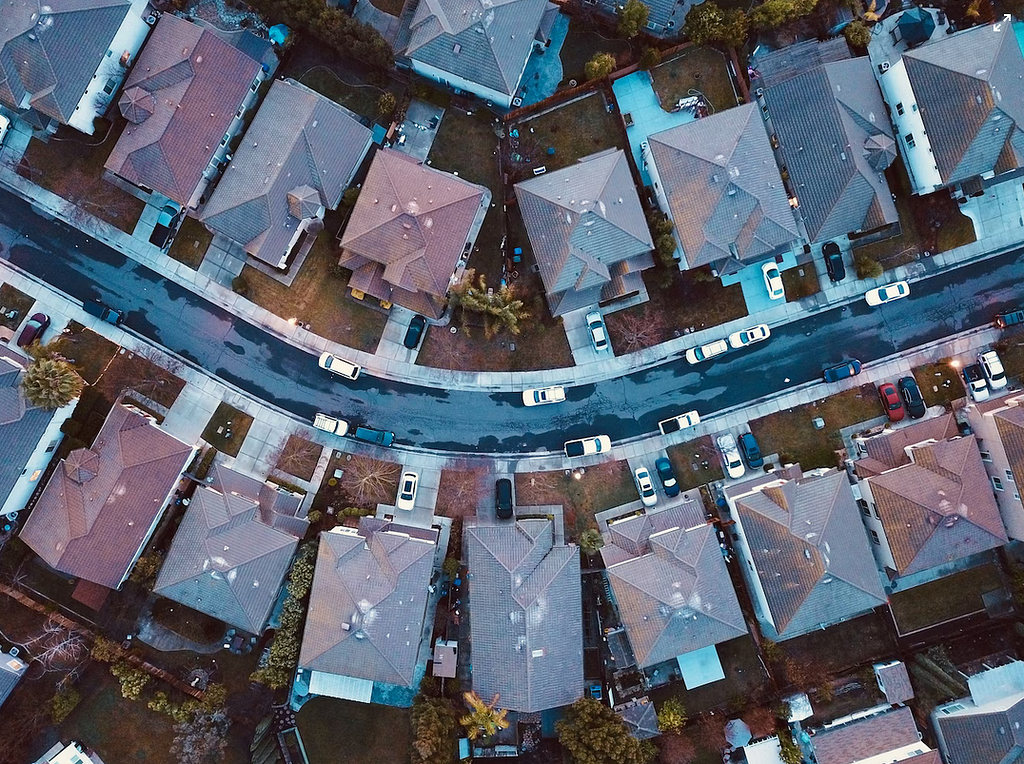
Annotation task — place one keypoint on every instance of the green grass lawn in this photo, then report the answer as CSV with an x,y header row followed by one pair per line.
x,y
580,46
360,98
940,383
950,597
355,733
689,459
696,69
227,419
191,243
800,282
13,299
792,435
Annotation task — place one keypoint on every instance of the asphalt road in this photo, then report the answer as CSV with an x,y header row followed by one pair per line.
x,y
259,363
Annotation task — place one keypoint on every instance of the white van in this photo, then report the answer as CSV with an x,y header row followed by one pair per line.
x,y
330,424
340,366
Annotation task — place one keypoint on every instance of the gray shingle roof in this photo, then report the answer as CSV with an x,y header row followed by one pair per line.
x,y
587,230
640,717
195,82
226,560
526,615
298,141
96,511
809,550
724,191
835,139
970,92
866,738
368,602
483,41
48,59
672,589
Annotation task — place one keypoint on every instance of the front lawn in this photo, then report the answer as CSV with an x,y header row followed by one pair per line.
x,y
801,282
695,462
1010,347
359,98
71,166
939,601
319,296
191,243
89,352
905,248
695,70
227,429
792,434
583,492
354,480
394,7
459,492
940,383
355,733
299,457
12,299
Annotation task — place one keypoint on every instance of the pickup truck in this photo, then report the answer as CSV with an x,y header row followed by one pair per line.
x,y
377,437
102,312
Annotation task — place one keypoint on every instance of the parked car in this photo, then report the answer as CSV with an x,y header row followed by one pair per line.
x,y
891,401
992,368
974,378
842,371
330,424
1010,318
645,486
407,490
667,477
913,401
706,351
598,333
676,423
773,280
5,126
503,498
33,329
166,224
731,456
749,336
377,437
887,293
588,446
415,332
542,396
751,451
339,366
102,312
834,261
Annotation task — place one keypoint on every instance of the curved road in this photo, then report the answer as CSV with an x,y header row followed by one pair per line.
x,y
271,369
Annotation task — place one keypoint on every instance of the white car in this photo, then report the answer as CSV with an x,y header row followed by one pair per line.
x,y
993,369
644,484
588,446
5,125
598,334
749,336
883,294
339,366
707,351
773,280
731,456
676,423
543,395
407,490
330,424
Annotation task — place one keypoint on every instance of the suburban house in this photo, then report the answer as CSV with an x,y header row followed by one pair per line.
x,y
526,617
988,726
718,181
12,668
233,549
72,753
411,228
299,155
185,101
664,18
926,499
881,734
803,553
61,61
671,587
998,424
367,610
588,232
894,681
956,100
834,137
477,46
102,504
30,435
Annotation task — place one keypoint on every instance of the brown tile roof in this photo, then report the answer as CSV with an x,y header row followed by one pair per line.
x,y
894,681
180,100
408,231
100,504
865,738
1010,426
888,449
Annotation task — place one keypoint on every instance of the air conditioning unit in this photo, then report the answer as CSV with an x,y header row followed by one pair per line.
x,y
883,67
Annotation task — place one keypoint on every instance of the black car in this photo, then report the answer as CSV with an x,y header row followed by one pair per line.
x,y
668,478
166,224
913,401
102,312
414,332
1010,318
751,451
834,261
503,498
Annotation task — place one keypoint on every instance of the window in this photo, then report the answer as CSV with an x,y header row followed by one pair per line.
x,y
1016,496
109,87
909,138
225,139
986,456
913,107
53,445
876,513
864,507
874,537
1009,476
997,483
899,108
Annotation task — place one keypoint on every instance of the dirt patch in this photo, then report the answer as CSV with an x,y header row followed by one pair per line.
x,y
299,457
695,462
697,70
951,597
801,282
187,622
227,429
12,300
940,383
190,243
364,482
461,490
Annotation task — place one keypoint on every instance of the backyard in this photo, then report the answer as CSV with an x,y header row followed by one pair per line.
x,y
581,45
355,733
71,166
744,678
696,70
358,98
949,597
695,462
13,300
793,436
187,622
190,243
319,296
583,492
227,429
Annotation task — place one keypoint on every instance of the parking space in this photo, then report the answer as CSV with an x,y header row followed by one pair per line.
x,y
416,134
392,341
751,280
576,331
422,513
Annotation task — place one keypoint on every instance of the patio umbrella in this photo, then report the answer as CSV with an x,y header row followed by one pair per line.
x,y
136,104
737,733
880,151
916,26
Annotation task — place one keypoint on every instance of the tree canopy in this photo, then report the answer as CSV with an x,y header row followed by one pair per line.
x,y
594,734
433,728
632,18
708,23
774,13
51,383
601,65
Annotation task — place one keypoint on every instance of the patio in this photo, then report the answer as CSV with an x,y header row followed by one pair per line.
x,y
544,68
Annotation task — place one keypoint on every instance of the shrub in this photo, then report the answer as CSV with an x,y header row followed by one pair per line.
x,y
600,66
240,285
64,703
857,34
867,266
650,58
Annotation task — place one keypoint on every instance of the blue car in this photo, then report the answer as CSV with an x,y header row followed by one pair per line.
x,y
668,478
751,451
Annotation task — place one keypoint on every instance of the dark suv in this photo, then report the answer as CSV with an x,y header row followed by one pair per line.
x,y
751,451
841,371
503,498
912,398
834,261
1010,318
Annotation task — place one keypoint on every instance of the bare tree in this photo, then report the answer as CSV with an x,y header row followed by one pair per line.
x,y
372,480
638,330
298,457
59,648
459,490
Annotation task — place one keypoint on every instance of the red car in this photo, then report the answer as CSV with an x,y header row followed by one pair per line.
x,y
34,329
891,401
